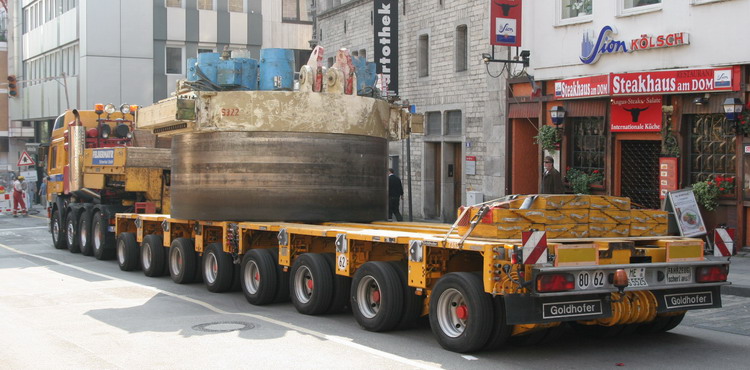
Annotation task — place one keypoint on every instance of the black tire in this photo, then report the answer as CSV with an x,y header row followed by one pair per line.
x,y
71,233
311,284
342,286
182,262
84,234
128,252
153,255
460,311
103,240
377,296
58,230
258,276
282,287
413,303
218,269
661,324
501,331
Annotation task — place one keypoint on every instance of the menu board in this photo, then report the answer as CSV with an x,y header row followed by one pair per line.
x,y
667,176
686,212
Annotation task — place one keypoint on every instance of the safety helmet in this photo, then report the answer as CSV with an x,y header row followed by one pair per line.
x,y
21,178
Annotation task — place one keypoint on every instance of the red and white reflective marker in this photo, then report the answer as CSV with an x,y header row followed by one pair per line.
x,y
534,247
5,203
723,242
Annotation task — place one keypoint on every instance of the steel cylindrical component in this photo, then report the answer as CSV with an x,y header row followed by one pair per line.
x,y
278,176
77,144
276,69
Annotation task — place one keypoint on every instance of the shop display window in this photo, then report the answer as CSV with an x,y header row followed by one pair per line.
x,y
711,147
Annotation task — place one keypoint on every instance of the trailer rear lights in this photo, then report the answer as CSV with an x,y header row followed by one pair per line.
x,y
106,130
711,274
122,130
555,282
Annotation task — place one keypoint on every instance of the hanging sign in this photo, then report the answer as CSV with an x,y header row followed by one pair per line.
x,y
505,22
636,114
386,43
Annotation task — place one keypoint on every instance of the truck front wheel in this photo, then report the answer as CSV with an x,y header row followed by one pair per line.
x,y
127,252
103,240
377,296
218,269
58,231
461,312
182,261
71,233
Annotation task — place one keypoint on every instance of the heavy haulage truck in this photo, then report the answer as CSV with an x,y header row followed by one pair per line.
x,y
280,192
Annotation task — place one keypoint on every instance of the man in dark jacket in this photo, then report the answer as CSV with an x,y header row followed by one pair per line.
x,y
395,193
551,180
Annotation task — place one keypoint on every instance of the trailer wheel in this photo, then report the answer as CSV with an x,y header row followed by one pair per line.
x,y
258,276
460,311
342,286
127,252
282,286
104,241
218,269
84,234
71,233
377,296
182,261
661,324
58,231
413,303
500,329
311,284
153,255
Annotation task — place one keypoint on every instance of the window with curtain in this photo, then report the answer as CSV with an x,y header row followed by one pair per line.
x,y
576,8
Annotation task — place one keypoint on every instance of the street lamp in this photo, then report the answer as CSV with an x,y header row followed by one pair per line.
x,y
558,115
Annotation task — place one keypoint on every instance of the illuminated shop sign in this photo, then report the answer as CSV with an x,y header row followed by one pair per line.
x,y
593,46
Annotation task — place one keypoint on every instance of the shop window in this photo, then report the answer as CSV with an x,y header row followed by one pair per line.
x,y
434,126
453,123
575,8
712,148
588,143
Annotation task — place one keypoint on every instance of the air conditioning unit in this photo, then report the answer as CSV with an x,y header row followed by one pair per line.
x,y
474,197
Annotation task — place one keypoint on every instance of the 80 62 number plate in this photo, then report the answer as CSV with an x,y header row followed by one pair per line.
x,y
591,279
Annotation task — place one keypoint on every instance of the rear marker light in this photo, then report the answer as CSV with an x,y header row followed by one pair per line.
x,y
555,282
711,274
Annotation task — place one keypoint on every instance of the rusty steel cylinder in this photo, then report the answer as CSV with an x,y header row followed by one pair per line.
x,y
278,176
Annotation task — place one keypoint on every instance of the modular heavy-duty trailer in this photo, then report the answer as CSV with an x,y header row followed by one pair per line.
x,y
478,292
281,193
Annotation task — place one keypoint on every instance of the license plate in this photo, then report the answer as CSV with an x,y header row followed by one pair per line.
x,y
637,277
679,275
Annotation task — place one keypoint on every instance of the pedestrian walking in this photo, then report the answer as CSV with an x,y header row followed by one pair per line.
x,y
43,192
551,180
395,193
19,186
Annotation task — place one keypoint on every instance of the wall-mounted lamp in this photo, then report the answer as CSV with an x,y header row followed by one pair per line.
x,y
558,115
732,110
524,56
701,100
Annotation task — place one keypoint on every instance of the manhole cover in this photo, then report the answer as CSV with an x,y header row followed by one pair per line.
x,y
223,326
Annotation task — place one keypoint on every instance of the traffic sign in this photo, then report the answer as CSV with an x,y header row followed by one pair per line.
x,y
25,160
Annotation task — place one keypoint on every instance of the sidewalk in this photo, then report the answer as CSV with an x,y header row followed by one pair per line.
x,y
739,274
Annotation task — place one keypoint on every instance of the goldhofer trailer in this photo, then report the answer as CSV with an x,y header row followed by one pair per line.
x,y
478,292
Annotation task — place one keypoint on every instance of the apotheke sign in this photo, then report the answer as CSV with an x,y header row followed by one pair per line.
x,y
593,46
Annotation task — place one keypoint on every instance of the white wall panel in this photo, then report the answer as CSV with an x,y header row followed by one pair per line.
x,y
136,81
137,28
237,28
68,27
100,80
100,30
176,24
207,21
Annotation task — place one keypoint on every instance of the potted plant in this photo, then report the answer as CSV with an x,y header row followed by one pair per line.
x,y
581,181
549,138
707,192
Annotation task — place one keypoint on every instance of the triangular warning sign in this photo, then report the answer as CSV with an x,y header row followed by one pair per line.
x,y
25,160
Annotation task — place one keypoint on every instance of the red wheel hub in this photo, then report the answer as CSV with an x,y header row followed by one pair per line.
x,y
256,277
309,284
375,297
462,312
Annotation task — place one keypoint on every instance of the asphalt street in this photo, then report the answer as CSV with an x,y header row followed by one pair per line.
x,y
63,310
